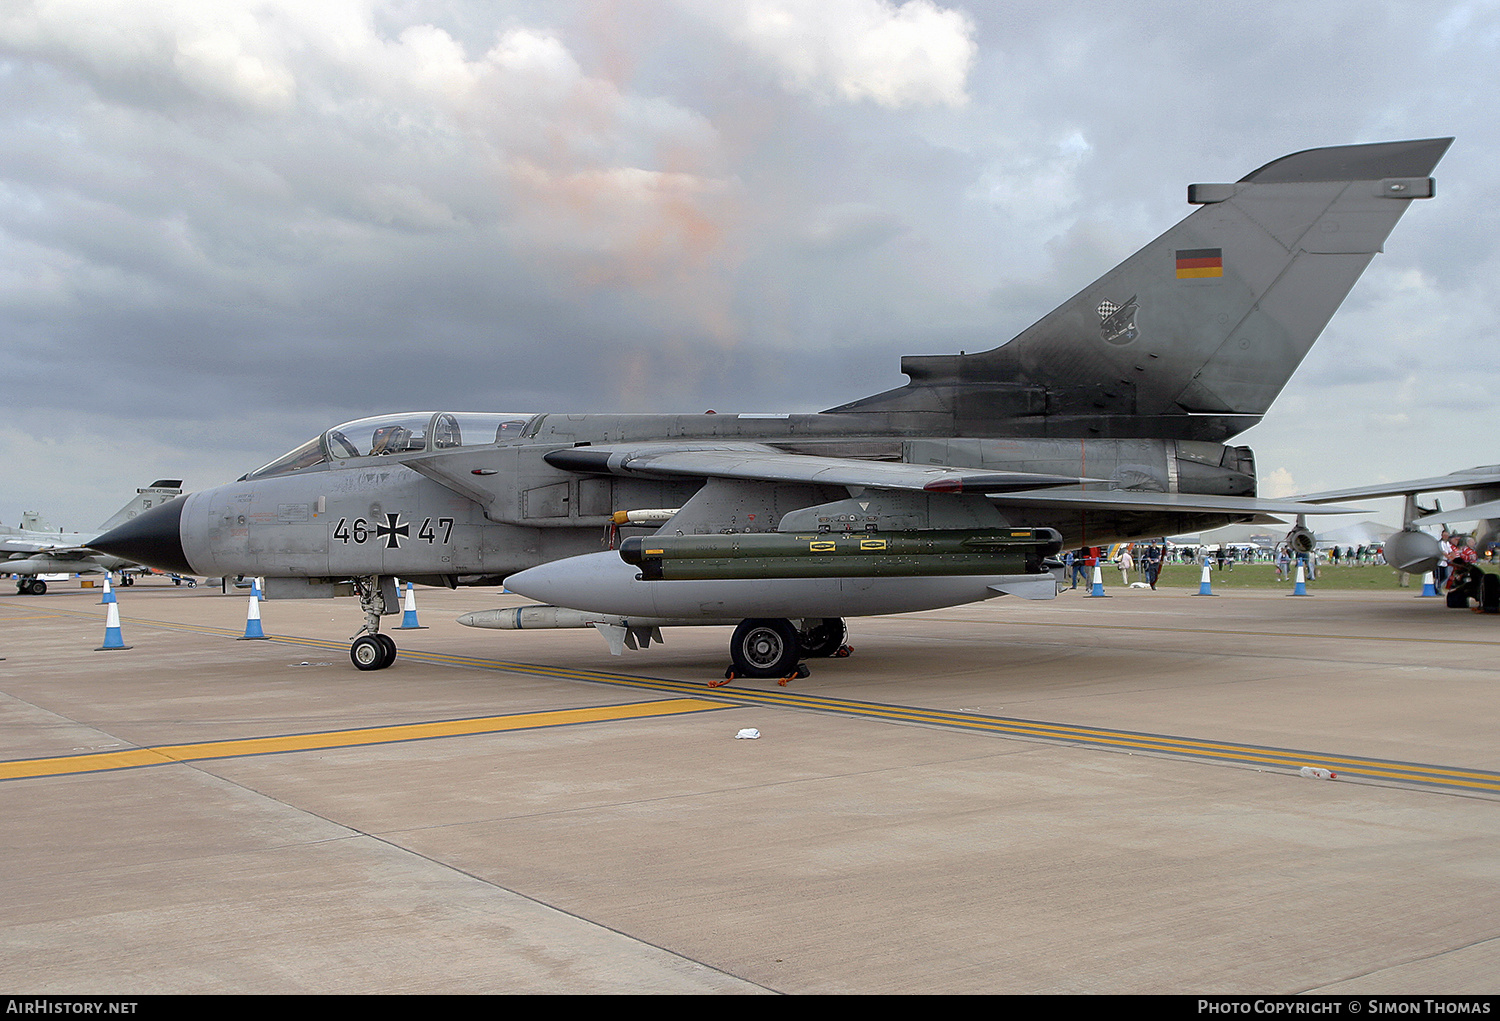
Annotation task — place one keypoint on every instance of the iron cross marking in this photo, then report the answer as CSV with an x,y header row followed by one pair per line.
x,y
392,530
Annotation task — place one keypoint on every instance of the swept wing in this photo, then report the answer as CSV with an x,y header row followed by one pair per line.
x,y
755,462
1471,479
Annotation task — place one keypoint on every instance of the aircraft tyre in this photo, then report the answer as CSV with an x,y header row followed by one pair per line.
x,y
389,644
38,587
1458,599
1489,593
823,638
372,652
764,648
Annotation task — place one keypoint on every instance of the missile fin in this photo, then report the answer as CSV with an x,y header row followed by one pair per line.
x,y
615,635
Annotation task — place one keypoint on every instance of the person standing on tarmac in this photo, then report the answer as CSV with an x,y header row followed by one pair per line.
x,y
1081,563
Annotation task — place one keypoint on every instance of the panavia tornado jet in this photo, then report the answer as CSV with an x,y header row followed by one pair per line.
x,y
1104,421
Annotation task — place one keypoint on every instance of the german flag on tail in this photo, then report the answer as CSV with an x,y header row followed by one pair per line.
x,y
1196,263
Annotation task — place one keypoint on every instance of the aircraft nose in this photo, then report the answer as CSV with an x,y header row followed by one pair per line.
x,y
153,538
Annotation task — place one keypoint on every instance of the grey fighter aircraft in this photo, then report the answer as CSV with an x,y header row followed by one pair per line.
x,y
29,551
1106,420
1413,550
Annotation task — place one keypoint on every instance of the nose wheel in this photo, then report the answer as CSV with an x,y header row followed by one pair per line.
x,y
370,649
373,652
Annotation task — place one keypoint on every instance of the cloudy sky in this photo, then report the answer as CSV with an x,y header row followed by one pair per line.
x,y
225,226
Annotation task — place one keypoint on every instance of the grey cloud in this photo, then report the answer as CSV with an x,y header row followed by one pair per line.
x,y
570,207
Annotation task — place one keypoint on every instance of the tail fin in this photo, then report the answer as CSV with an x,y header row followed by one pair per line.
x,y
1194,335
154,495
32,521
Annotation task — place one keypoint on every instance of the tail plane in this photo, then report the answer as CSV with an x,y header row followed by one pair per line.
x,y
159,492
1194,335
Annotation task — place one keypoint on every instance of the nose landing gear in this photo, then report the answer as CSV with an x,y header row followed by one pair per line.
x,y
370,649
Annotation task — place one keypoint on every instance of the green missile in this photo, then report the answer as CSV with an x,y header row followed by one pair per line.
x,y
840,555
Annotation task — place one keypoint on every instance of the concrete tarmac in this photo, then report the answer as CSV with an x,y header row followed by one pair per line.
x,y
1075,796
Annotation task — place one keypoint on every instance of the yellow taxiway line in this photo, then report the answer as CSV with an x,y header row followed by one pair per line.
x,y
162,755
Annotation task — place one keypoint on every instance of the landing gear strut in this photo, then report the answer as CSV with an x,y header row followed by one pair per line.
x,y
370,649
824,638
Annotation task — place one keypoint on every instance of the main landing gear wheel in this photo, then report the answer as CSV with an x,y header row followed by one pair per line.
x,y
764,648
32,587
824,638
373,652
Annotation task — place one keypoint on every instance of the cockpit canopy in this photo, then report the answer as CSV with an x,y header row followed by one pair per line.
x,y
400,433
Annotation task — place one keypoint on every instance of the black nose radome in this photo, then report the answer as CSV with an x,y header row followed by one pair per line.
x,y
153,538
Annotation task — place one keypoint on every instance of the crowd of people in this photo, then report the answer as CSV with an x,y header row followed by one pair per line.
x,y
1144,561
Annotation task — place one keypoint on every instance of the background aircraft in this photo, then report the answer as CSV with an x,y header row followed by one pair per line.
x,y
31,550
1413,550
1104,421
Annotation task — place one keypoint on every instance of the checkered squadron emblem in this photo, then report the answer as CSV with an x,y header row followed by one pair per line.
x,y
1117,322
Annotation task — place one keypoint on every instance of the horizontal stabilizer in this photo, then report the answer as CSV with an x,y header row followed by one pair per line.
x,y
1474,512
18,544
51,550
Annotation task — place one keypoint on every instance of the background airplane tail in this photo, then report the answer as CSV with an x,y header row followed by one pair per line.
x,y
154,495
1194,335
32,521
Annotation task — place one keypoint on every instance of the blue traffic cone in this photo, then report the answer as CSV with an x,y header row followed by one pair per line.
x,y
1300,589
1429,587
112,637
1098,587
109,592
252,617
409,612
1204,587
